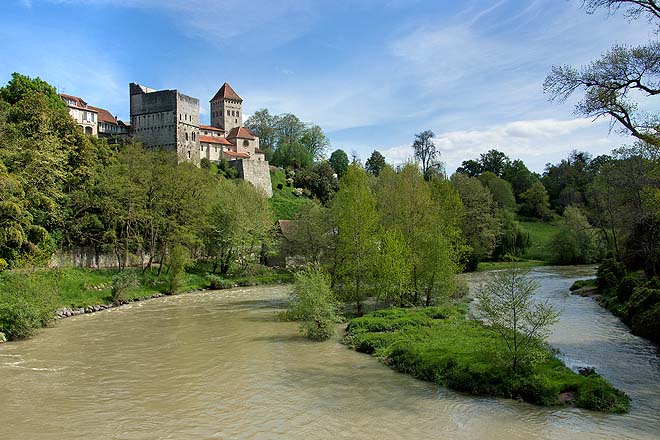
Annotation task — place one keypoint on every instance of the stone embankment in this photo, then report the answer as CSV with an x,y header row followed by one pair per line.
x,y
66,312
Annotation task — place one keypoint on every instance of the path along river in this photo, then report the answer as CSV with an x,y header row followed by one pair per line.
x,y
218,365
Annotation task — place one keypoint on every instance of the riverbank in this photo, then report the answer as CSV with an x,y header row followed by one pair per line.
x,y
442,345
633,298
31,299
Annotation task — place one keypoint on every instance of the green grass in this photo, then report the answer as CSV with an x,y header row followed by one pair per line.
x,y
441,345
540,235
22,310
284,203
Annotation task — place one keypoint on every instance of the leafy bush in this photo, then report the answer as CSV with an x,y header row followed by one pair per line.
x,y
626,287
598,395
217,283
121,282
314,303
3,265
647,323
609,274
25,306
178,261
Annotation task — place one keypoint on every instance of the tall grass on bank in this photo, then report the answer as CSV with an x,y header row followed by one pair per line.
x,y
29,298
441,345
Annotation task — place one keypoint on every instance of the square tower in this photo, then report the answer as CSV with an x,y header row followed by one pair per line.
x,y
166,119
226,109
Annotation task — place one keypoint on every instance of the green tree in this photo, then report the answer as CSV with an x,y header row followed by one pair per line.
x,y
319,180
471,168
519,176
339,162
574,243
262,124
408,205
314,303
20,87
354,209
394,269
293,155
310,237
535,202
479,224
315,141
375,163
500,189
505,303
238,226
494,161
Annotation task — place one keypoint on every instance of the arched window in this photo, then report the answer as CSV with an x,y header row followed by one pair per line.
x,y
193,136
246,143
186,134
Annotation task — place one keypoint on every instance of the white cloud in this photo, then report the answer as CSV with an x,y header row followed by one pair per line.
x,y
536,142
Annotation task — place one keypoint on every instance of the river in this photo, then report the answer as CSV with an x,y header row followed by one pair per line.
x,y
218,365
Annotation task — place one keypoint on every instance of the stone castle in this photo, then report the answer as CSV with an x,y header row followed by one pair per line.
x,y
169,120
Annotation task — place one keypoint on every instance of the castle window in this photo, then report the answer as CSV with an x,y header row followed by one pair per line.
x,y
186,136
228,113
193,136
246,143
188,154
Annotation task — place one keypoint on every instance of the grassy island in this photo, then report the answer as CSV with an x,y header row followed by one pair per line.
x,y
443,345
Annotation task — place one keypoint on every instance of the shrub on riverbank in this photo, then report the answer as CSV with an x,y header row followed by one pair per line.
x,y
441,345
314,304
25,306
634,299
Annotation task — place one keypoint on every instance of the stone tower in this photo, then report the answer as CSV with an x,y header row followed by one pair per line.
x,y
226,109
166,119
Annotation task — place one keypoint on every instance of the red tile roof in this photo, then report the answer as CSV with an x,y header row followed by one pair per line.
x,y
79,101
104,115
214,140
236,154
209,127
226,92
241,133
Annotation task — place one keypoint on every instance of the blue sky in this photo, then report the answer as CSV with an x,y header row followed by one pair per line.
x,y
370,73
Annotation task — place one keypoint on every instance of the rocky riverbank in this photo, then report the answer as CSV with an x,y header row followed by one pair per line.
x,y
66,312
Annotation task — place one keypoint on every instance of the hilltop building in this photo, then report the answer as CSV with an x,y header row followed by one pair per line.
x,y
170,120
94,121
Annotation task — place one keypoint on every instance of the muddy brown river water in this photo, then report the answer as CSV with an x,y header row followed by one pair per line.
x,y
217,365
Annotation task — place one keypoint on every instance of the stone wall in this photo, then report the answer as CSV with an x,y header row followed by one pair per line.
x,y
154,117
188,128
86,257
166,119
256,172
